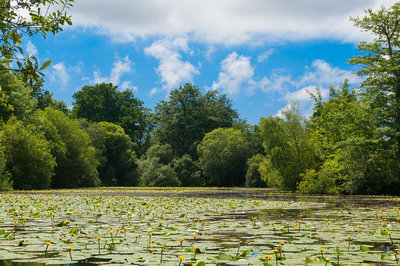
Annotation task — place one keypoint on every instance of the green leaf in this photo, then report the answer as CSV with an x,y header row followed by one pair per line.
x,y
223,256
74,230
45,64
244,254
364,248
200,263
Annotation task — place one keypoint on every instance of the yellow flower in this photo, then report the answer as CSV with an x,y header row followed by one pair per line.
x,y
69,248
48,243
181,257
321,249
276,251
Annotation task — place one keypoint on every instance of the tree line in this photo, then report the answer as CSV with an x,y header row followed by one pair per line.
x,y
350,144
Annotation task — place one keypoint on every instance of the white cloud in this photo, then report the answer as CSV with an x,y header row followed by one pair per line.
x,y
224,22
59,74
324,73
120,67
320,74
236,73
304,94
128,85
264,56
172,69
31,48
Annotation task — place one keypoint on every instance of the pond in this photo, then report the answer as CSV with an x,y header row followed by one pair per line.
x,y
231,226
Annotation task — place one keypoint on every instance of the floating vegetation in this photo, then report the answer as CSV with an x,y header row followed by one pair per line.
x,y
180,227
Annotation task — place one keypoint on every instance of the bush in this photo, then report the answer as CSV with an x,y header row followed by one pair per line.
x,y
269,174
155,174
187,172
253,176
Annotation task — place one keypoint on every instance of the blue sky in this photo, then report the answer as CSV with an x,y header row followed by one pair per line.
x,y
261,53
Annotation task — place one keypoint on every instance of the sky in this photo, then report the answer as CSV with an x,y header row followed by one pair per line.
x,y
262,54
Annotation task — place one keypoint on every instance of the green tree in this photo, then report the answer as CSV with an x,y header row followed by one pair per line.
x,y
323,181
188,172
354,157
223,154
184,119
289,148
28,18
344,115
380,64
105,103
161,151
152,173
28,156
44,98
71,147
17,96
5,107
5,176
116,153
155,168
253,176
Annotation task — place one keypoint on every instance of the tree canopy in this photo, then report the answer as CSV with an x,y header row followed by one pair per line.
x,y
380,64
184,119
105,103
223,154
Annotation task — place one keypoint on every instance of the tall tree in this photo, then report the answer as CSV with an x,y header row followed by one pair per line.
x,y
71,147
27,154
16,94
380,64
116,154
105,103
184,119
223,154
288,147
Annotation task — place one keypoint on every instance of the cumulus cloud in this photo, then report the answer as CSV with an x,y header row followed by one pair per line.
x,y
226,22
320,74
120,67
325,73
172,69
304,93
237,71
59,74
